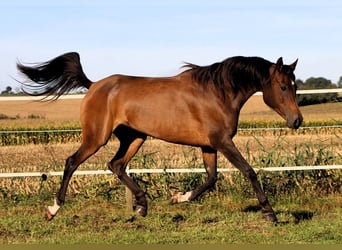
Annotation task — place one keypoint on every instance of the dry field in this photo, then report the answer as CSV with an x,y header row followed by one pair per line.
x,y
51,157
46,113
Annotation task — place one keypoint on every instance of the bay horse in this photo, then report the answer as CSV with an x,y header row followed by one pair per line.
x,y
198,107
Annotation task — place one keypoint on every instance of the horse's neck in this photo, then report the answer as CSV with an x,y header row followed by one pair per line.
x,y
244,94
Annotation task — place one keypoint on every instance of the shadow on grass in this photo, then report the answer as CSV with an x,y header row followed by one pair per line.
x,y
302,215
298,215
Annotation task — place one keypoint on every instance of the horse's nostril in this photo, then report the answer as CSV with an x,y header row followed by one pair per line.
x,y
297,123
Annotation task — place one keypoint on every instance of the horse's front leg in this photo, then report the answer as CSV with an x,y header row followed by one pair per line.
x,y
230,151
209,160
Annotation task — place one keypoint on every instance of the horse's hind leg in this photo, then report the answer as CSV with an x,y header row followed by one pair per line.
x,y
89,146
130,142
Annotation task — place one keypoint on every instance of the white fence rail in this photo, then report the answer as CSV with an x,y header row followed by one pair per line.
x,y
167,171
80,96
128,193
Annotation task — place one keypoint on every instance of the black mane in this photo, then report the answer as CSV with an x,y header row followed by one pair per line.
x,y
232,73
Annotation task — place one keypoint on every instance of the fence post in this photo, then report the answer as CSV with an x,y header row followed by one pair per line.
x,y
128,196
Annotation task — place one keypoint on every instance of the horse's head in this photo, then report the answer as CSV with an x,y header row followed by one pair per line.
x,y
280,93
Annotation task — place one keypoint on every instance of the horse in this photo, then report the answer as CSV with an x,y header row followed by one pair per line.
x,y
198,107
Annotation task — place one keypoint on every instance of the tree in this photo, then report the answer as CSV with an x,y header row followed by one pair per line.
x,y
339,83
300,84
316,83
7,91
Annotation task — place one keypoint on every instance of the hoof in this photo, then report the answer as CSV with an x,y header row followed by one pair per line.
x,y
174,200
141,210
270,216
48,215
181,197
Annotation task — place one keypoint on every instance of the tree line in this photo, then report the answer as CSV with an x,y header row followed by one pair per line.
x,y
318,83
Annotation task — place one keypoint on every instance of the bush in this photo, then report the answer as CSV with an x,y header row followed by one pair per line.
x,y
311,99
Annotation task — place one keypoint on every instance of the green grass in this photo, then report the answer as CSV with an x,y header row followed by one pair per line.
x,y
215,219
308,203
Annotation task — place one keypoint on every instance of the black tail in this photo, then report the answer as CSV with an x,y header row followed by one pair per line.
x,y
56,77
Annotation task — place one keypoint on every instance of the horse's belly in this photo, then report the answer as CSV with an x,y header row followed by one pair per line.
x,y
171,126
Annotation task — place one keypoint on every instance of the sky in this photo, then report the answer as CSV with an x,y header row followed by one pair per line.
x,y
155,37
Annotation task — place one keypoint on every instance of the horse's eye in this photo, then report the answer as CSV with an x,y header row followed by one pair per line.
x,y
283,87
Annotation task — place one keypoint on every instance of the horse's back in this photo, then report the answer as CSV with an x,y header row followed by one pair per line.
x,y
168,108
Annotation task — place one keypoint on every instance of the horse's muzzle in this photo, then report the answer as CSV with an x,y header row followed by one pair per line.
x,y
295,123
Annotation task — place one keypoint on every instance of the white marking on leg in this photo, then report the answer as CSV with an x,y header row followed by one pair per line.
x,y
53,209
184,197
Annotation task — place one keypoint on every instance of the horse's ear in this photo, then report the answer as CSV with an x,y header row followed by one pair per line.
x,y
293,65
279,63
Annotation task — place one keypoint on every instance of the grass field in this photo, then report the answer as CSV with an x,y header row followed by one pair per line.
x,y
217,219
308,203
